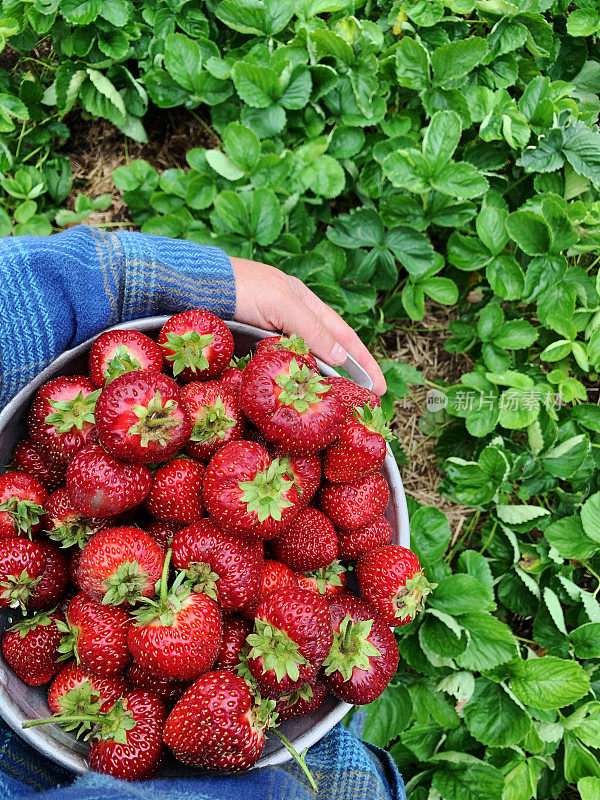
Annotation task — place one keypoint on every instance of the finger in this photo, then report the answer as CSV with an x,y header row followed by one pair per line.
x,y
296,317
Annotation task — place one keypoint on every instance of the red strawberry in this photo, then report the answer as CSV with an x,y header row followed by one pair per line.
x,y
141,418
79,691
364,654
21,505
274,576
292,638
392,580
61,420
216,418
360,448
31,648
102,486
96,635
353,543
306,472
116,352
65,525
328,581
248,493
298,702
290,403
166,689
29,458
292,343
235,631
120,565
163,532
176,493
22,564
197,344
217,724
221,565
74,559
231,379
355,504
53,581
351,394
310,542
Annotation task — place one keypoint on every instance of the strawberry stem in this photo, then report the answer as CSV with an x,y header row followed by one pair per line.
x,y
164,578
59,719
300,758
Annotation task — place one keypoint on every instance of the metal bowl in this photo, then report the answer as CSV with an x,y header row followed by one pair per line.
x,y
19,702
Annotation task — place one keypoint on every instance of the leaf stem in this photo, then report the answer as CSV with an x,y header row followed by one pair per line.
x,y
300,758
490,537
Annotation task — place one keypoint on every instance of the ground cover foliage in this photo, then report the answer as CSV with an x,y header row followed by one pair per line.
x,y
387,153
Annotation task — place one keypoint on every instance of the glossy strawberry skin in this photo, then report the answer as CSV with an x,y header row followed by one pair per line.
x,y
308,543
115,352
33,656
103,689
30,459
164,688
354,543
60,447
355,504
214,725
163,532
65,525
184,650
53,580
140,757
364,685
241,462
22,487
293,431
18,556
274,576
306,472
101,635
356,453
121,429
102,486
199,399
275,344
231,379
107,551
351,394
218,353
320,582
235,631
299,702
238,563
176,493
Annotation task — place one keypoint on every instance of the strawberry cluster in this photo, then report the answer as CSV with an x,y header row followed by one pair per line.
x,y
183,523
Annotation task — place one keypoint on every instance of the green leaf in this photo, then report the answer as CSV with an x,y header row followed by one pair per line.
x,y
493,717
530,231
256,85
441,138
550,682
457,59
324,176
468,780
516,334
183,60
387,716
459,594
265,217
441,635
586,640
569,539
590,517
583,22
242,146
412,69
255,16
80,12
490,224
514,514
411,248
581,148
460,180
224,165
491,642
589,788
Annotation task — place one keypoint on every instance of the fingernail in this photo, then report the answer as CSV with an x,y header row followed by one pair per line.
x,y
338,355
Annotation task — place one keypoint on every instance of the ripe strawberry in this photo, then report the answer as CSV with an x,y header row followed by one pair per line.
x,y
21,505
53,581
163,532
310,542
178,635
164,688
21,566
141,418
298,702
231,379
74,559
30,459
351,394
328,581
355,504
306,472
116,352
292,638
102,486
353,543
96,635
31,648
78,691
61,420
197,344
290,403
360,448
216,418
217,724
274,576
292,343
219,564
235,631
65,525
364,654
176,493
120,565
248,493
392,580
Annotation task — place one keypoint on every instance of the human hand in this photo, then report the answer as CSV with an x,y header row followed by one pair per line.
x,y
270,299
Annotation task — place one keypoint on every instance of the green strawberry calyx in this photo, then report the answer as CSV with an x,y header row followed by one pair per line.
x,y
215,422
112,724
278,651
240,362
73,413
187,350
25,514
17,589
408,600
155,421
293,343
120,363
78,702
290,698
351,648
267,492
329,575
75,532
31,623
68,643
202,579
373,420
169,603
125,585
301,387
